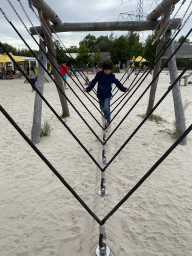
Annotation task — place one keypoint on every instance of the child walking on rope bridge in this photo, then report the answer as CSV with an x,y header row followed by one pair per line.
x,y
105,80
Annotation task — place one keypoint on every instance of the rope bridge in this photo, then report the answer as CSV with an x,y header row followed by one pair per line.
x,y
102,194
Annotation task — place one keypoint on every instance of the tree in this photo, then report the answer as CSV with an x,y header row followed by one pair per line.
x,y
136,49
60,53
89,40
98,57
72,49
111,37
84,56
23,52
102,43
120,50
181,39
150,54
132,37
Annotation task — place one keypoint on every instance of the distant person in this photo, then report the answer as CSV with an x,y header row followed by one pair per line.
x,y
63,71
21,66
32,77
10,72
27,69
105,79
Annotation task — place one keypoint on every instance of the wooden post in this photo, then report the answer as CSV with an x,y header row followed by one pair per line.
x,y
178,106
57,77
155,14
46,11
157,65
36,128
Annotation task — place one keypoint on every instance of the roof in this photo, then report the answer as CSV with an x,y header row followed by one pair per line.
x,y
25,58
72,55
185,51
105,55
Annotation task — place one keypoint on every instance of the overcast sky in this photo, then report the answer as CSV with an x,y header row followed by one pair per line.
x,y
79,11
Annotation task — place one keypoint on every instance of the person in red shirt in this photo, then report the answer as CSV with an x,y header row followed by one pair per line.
x,y
63,71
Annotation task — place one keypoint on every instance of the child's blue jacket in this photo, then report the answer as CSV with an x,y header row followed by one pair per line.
x,y
104,89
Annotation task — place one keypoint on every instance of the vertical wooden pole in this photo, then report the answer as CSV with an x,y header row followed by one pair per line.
x,y
178,106
36,128
57,77
158,64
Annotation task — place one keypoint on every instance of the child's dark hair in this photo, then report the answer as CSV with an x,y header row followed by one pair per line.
x,y
107,64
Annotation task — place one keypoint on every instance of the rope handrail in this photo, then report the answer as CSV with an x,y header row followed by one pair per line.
x,y
147,174
47,30
155,39
153,43
48,49
49,164
147,116
51,107
56,83
167,44
147,75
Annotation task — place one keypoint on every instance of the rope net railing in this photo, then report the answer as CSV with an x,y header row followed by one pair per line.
x,y
55,81
145,89
103,142
156,41
79,70
48,33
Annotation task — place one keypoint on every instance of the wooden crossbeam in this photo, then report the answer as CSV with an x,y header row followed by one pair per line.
x,y
107,26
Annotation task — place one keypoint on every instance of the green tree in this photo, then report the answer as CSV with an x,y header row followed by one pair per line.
x,y
111,37
136,49
72,49
84,56
23,52
120,50
9,48
60,53
132,37
181,39
149,52
98,57
89,40
102,43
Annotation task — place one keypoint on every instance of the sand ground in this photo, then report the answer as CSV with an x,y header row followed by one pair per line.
x,y
38,216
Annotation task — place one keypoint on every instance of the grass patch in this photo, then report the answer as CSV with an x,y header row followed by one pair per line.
x,y
63,115
45,129
173,133
155,118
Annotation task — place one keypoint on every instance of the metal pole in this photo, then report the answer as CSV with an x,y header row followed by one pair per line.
x,y
102,249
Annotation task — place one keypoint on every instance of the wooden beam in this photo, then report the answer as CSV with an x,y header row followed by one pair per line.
x,y
107,26
47,11
155,14
36,128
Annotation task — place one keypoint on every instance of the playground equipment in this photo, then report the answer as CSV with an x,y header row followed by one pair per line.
x,y
102,247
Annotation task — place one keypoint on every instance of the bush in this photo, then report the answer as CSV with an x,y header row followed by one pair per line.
x,y
115,69
182,63
45,129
